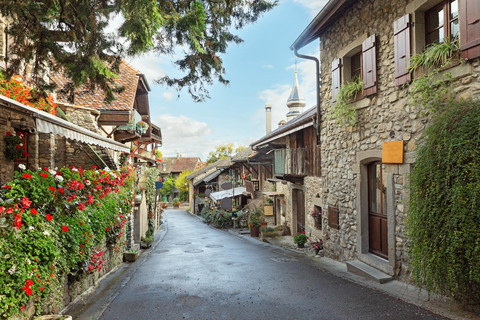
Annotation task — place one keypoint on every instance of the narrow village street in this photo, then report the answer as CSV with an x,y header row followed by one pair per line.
x,y
195,271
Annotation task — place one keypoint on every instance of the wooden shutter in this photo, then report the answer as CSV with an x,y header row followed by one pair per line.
x,y
369,66
469,20
336,80
401,35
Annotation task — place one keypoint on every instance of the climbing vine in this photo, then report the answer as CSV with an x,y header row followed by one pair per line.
x,y
343,109
444,214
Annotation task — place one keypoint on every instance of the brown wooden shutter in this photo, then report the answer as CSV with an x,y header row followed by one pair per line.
x,y
336,79
401,35
369,66
469,19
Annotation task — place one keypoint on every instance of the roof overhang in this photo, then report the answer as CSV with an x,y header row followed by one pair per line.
x,y
324,18
283,134
47,123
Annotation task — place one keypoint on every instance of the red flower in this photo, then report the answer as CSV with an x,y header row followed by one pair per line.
x,y
49,217
18,221
81,207
26,203
9,210
9,133
33,211
7,187
27,176
51,189
60,190
29,283
51,275
107,229
28,291
64,228
44,175
90,268
41,289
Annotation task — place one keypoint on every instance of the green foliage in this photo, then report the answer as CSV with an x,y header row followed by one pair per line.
x,y
343,110
300,238
168,186
436,55
150,188
432,90
88,55
56,223
15,146
255,217
444,214
182,183
217,217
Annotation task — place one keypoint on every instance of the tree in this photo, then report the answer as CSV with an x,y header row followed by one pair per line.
x,y
168,186
182,183
71,36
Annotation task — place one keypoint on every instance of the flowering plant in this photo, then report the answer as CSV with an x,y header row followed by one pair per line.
x,y
246,176
18,90
254,224
316,214
300,238
15,147
56,223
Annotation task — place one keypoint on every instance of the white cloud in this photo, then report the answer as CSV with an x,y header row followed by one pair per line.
x,y
277,95
168,96
313,7
150,65
186,136
267,66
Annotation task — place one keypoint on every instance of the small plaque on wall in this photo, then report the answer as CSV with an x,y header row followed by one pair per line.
x,y
333,217
392,152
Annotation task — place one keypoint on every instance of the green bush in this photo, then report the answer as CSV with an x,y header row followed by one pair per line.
x,y
444,215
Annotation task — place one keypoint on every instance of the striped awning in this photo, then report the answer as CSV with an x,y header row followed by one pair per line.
x,y
47,123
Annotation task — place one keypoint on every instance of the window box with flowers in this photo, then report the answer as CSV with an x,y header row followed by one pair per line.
x,y
15,146
317,217
142,127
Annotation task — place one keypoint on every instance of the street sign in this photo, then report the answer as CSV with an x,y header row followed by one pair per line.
x,y
158,185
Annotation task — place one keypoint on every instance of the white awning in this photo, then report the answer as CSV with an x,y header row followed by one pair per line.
x,y
227,193
47,123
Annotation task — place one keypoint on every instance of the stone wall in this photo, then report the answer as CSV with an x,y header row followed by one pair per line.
x,y
388,115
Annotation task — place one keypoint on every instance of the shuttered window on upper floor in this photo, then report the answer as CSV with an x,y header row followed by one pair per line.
x,y
401,34
336,77
369,66
470,28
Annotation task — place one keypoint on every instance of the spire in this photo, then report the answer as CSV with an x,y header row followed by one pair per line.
x,y
295,102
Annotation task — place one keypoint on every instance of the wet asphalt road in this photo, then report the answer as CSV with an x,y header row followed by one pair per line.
x,y
198,272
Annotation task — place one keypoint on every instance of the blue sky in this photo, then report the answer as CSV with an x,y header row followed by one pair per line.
x,y
260,70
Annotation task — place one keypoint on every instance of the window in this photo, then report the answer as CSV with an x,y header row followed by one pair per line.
x,y
441,21
356,66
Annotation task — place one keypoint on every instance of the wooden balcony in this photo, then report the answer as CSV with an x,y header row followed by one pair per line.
x,y
289,164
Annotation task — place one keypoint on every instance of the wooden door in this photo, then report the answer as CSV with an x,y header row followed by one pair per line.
x,y
377,210
299,207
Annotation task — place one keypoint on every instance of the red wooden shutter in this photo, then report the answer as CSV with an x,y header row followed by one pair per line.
x,y
401,35
469,28
336,80
369,66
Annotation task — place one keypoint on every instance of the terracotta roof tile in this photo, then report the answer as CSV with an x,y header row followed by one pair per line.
x,y
185,164
127,77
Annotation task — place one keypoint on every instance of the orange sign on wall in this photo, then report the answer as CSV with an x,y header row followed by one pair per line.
x,y
392,152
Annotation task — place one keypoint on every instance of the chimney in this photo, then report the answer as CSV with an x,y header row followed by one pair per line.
x,y
268,111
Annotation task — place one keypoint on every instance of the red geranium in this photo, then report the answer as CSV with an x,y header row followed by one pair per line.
x,y
49,217
65,228
81,207
33,211
44,175
26,203
27,176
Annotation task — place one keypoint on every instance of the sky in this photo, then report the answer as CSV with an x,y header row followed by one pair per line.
x,y
261,71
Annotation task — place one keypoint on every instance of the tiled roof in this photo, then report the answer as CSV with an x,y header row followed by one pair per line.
x,y
222,163
243,155
185,164
296,122
167,163
128,77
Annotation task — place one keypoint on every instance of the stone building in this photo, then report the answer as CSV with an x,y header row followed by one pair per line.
x,y
362,188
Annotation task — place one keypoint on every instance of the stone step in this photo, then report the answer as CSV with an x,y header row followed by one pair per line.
x,y
364,270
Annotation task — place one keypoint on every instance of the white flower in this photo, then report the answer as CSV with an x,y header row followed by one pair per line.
x,y
46,233
31,228
39,169
22,166
74,169
107,169
59,178
52,172
12,270
87,182
28,261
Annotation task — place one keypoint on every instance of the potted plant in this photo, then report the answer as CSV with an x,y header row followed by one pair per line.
x,y
254,221
130,256
176,202
300,239
164,205
268,206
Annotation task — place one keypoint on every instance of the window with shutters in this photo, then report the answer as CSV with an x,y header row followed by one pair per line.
x,y
358,60
441,21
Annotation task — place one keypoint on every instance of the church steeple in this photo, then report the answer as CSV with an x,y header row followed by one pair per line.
x,y
295,102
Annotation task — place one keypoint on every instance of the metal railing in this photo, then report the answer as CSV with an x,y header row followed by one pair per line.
x,y
289,162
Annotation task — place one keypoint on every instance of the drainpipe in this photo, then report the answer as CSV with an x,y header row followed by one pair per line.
x,y
319,114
